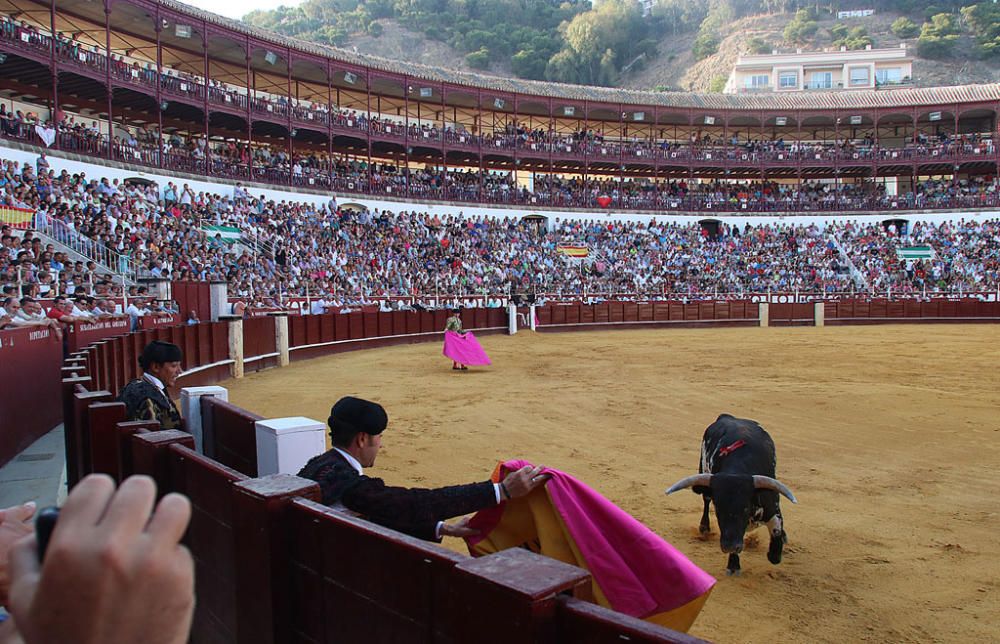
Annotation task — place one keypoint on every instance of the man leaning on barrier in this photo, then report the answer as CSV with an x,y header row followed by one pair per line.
x,y
356,428
146,398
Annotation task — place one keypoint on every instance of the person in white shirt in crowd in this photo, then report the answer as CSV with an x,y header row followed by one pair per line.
x,y
31,314
81,308
318,306
136,309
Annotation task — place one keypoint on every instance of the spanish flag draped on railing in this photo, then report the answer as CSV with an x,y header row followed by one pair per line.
x,y
633,570
16,217
573,250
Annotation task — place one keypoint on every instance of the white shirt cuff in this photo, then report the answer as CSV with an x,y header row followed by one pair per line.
x,y
437,529
496,490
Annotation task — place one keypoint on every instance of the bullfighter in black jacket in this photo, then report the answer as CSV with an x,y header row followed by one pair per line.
x,y
356,428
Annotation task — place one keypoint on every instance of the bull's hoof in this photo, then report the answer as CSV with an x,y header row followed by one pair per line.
x,y
733,566
774,551
704,528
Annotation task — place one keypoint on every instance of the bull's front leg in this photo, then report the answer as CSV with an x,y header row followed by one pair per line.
x,y
778,539
704,526
733,566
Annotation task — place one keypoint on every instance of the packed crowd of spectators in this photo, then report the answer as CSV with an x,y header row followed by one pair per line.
x,y
296,249
320,170
966,255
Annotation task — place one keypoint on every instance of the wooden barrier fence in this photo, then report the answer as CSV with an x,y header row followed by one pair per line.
x,y
653,314
110,359
894,312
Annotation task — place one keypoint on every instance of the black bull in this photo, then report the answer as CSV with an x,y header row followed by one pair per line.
x,y
737,474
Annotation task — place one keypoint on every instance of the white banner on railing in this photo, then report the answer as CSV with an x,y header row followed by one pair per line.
x,y
46,134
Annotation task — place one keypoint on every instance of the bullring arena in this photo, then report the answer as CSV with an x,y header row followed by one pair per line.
x,y
302,221
886,434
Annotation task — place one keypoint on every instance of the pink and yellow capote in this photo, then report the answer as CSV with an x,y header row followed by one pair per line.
x,y
633,570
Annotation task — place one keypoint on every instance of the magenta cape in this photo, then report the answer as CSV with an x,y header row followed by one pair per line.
x,y
639,573
464,349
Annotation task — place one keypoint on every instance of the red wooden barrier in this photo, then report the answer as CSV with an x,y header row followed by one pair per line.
x,y
158,321
582,622
259,343
81,334
229,434
102,423
211,539
326,584
261,518
30,392
193,296
515,583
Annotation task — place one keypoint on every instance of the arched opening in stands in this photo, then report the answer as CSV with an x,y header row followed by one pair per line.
x,y
711,228
538,223
900,226
352,206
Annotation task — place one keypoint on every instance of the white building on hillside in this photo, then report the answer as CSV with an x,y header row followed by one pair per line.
x,y
821,70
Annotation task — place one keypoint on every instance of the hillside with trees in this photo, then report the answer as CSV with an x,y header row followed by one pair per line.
x,y
679,44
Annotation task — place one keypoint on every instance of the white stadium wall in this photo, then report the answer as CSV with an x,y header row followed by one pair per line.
x,y
92,170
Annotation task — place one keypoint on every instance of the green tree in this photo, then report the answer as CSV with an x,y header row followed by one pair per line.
x,y
717,84
704,45
528,63
758,45
802,27
478,59
707,41
903,27
563,67
598,43
937,37
856,38
984,22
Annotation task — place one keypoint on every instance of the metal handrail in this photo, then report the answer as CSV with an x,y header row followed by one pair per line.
x,y
92,249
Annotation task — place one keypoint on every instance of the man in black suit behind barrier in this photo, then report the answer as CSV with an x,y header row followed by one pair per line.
x,y
356,428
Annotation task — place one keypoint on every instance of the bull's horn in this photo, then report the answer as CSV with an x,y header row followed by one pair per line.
x,y
697,479
767,483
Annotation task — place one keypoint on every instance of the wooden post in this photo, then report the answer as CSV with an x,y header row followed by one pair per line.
x,y
517,584
150,455
259,508
103,419
281,338
236,348
124,432
81,428
69,386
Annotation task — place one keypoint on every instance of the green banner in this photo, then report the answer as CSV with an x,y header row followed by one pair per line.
x,y
228,234
915,252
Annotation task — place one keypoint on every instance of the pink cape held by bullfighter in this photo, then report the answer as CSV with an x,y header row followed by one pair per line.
x,y
633,570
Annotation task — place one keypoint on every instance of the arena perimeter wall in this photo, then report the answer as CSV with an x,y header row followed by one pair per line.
x,y
29,360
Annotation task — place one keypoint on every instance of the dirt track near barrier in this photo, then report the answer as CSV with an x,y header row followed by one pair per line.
x,y
889,436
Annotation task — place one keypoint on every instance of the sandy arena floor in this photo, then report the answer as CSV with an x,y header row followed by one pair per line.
x,y
889,436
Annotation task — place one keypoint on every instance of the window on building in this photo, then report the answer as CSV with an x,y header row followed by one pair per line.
x,y
788,80
821,80
889,75
860,77
757,81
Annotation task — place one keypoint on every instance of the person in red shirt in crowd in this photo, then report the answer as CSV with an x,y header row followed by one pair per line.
x,y
62,309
